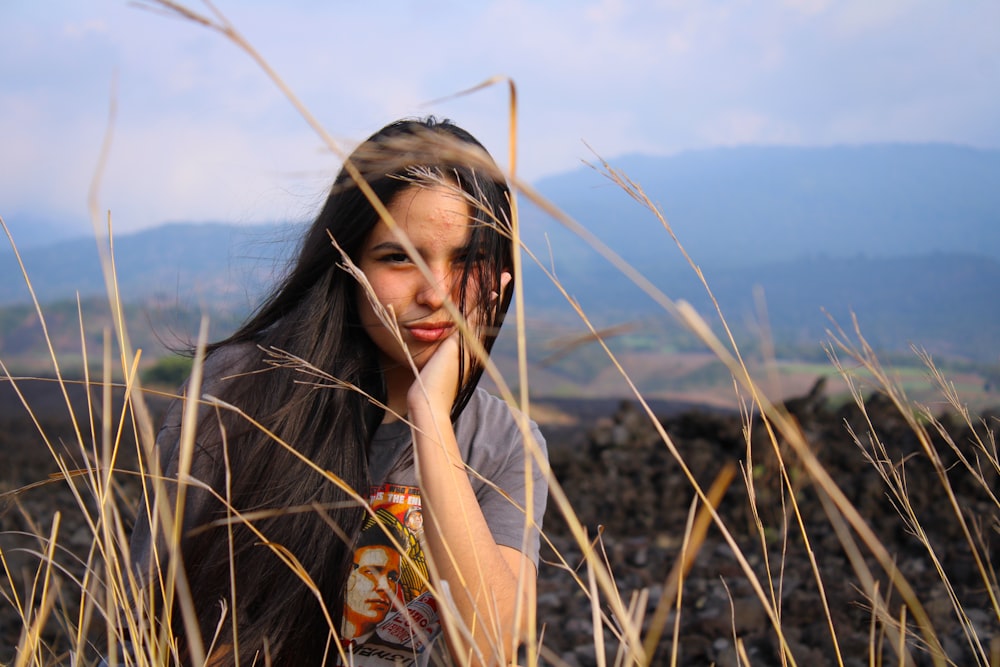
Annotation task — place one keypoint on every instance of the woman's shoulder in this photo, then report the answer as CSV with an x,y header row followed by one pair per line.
x,y
224,364
230,360
217,370
489,417
484,405
494,437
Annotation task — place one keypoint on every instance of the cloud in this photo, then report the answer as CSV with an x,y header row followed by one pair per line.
x,y
735,127
203,133
85,28
808,6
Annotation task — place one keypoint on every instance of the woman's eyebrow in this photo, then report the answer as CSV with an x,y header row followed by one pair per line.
x,y
388,245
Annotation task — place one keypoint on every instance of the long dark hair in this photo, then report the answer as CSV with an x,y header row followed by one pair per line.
x,y
312,315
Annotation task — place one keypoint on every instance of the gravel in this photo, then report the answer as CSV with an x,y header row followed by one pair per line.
x,y
633,498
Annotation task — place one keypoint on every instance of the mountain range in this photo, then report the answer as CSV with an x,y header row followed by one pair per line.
x,y
747,206
905,237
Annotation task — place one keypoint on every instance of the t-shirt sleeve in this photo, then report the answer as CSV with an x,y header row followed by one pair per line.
x,y
512,502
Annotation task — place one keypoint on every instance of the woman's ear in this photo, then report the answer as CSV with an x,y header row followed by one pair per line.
x,y
505,278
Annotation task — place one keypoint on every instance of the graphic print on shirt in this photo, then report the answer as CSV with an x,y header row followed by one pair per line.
x,y
389,615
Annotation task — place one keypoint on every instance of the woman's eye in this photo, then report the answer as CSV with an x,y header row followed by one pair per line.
x,y
396,258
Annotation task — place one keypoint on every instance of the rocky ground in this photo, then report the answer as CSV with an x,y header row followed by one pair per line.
x,y
627,488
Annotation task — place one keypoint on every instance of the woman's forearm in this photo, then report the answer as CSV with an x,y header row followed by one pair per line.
x,y
484,579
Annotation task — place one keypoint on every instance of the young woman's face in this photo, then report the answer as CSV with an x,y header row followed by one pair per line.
x,y
437,221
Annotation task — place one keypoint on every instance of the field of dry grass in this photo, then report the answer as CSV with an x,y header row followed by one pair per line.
x,y
66,583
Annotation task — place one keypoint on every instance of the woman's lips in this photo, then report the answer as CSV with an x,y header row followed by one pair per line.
x,y
431,332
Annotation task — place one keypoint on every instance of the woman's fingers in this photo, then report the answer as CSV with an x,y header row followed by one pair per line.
x,y
439,376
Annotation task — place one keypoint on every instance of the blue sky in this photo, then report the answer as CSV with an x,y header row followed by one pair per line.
x,y
201,134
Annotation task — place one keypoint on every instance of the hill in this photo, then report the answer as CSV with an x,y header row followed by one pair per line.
x,y
208,263
747,206
941,301
905,237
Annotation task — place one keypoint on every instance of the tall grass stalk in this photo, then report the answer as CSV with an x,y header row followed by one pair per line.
x,y
102,586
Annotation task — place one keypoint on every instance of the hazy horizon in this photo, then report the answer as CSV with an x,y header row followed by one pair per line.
x,y
201,134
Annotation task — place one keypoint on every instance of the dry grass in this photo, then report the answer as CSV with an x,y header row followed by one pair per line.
x,y
71,605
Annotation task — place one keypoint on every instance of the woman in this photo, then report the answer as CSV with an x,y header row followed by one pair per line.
x,y
359,362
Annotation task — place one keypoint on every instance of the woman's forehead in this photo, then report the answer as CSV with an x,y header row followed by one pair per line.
x,y
427,215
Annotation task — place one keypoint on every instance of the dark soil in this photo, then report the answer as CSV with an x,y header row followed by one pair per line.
x,y
628,490
35,498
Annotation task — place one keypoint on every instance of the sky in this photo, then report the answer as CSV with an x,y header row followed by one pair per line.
x,y
201,133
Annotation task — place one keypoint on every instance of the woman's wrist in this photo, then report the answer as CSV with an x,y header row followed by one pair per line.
x,y
425,405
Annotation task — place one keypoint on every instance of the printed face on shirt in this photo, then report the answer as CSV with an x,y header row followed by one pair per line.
x,y
415,521
371,587
436,220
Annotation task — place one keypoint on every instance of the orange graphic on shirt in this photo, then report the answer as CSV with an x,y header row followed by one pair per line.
x,y
389,569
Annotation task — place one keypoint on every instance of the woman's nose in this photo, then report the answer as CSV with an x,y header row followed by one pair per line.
x,y
433,293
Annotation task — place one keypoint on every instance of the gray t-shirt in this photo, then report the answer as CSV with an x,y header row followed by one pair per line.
x,y
391,617
491,444
488,434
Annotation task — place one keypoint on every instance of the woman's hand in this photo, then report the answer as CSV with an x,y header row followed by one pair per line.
x,y
438,382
